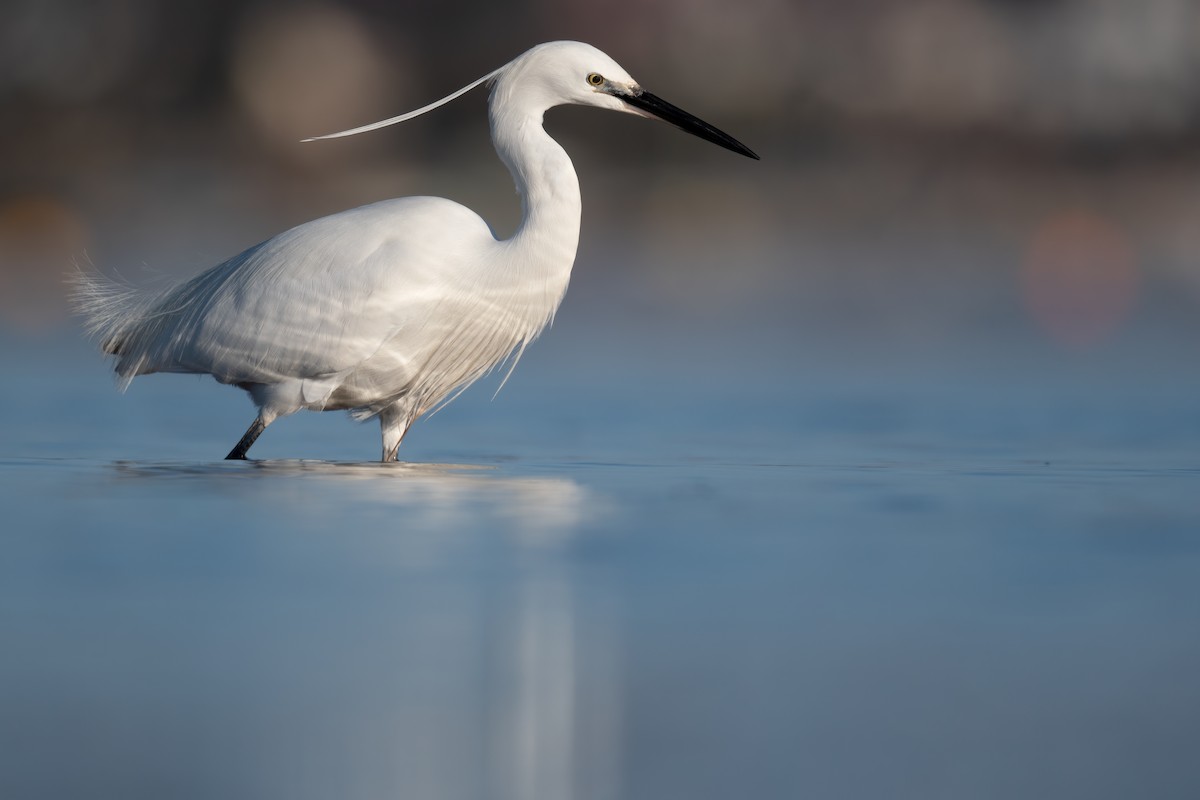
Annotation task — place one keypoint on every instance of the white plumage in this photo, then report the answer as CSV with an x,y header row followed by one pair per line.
x,y
391,308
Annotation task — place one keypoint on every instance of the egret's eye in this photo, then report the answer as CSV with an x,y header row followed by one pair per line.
x,y
595,78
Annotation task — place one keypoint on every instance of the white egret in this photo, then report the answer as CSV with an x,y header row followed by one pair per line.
x,y
393,308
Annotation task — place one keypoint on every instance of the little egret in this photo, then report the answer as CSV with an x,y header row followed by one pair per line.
x,y
393,308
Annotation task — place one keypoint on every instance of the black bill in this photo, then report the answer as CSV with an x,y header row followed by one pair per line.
x,y
657,107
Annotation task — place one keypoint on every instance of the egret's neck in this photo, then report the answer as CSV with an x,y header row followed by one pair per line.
x,y
546,181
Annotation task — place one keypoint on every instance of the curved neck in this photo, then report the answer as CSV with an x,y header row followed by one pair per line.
x,y
545,180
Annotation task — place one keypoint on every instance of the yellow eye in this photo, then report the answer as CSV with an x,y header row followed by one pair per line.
x,y
595,79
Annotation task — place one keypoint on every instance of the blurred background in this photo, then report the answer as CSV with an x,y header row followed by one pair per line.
x,y
940,178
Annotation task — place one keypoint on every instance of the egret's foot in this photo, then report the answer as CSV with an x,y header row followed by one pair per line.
x,y
238,453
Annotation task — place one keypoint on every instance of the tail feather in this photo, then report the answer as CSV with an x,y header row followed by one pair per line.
x,y
108,308
111,311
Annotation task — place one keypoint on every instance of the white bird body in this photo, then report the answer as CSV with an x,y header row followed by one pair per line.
x,y
390,308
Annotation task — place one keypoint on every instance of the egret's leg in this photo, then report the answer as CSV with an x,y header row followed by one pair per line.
x,y
393,422
238,453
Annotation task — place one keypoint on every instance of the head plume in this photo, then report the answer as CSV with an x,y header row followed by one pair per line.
x,y
411,114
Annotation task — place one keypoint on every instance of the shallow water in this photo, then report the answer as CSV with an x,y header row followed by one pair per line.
x,y
907,583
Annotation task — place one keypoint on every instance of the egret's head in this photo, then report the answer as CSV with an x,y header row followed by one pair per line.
x,y
563,73
573,73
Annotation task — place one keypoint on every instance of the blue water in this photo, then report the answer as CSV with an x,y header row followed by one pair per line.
x,y
623,578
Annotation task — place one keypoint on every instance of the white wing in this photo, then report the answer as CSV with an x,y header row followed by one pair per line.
x,y
314,301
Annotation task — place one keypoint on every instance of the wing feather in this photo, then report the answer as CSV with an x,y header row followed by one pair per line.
x,y
314,301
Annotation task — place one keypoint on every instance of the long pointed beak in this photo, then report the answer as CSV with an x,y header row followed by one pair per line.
x,y
650,105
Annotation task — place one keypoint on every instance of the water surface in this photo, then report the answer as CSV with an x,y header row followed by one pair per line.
x,y
846,586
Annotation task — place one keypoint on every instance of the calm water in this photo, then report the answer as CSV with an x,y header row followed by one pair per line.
x,y
956,580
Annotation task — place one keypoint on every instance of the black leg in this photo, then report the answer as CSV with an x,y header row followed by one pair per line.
x,y
238,452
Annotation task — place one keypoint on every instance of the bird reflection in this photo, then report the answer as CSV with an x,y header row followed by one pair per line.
x,y
556,721
483,664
